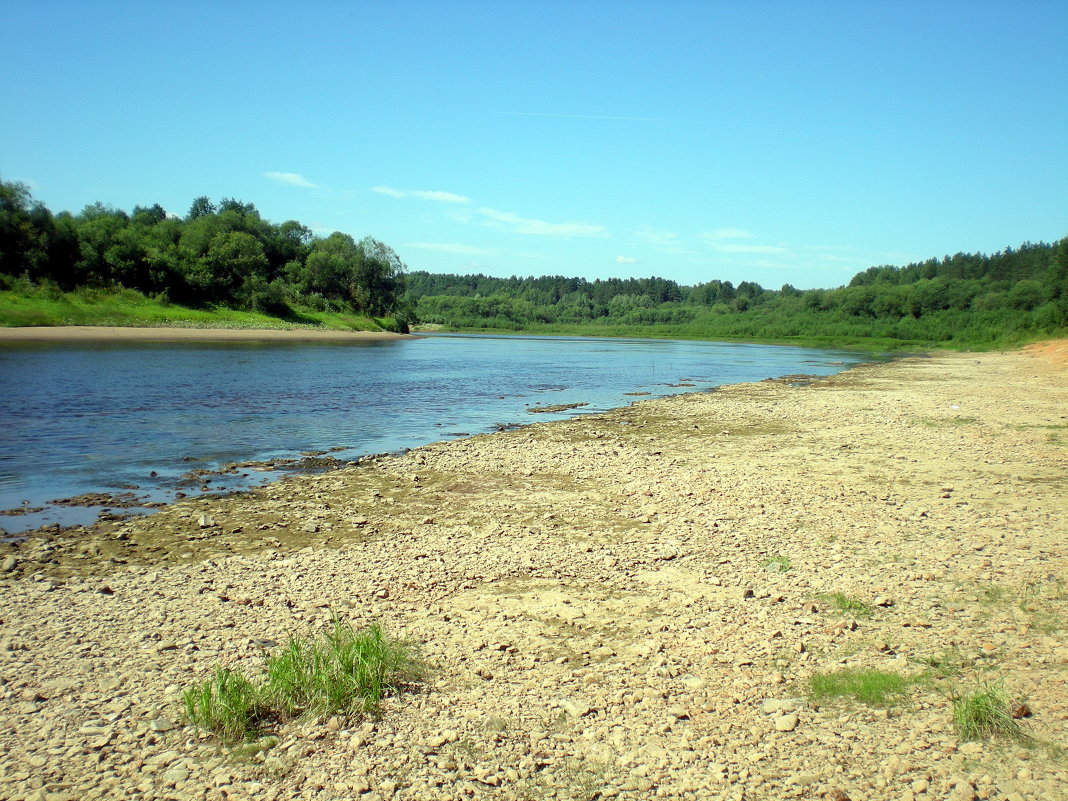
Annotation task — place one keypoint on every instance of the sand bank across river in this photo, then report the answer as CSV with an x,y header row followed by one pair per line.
x,y
629,604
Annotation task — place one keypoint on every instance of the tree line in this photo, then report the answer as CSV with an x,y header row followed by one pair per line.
x,y
221,254
971,298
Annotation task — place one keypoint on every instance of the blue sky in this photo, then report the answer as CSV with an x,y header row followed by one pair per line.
x,y
781,142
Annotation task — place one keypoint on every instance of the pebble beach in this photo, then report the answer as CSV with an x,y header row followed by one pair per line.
x,y
627,605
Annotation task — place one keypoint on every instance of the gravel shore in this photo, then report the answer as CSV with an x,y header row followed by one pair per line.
x,y
628,605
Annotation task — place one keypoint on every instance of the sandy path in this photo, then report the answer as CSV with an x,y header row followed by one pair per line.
x,y
90,333
603,603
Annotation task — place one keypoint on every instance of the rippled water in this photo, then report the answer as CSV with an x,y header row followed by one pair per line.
x,y
91,417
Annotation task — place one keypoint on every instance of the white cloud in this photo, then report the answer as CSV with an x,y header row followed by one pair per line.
x,y
626,260
526,225
659,238
291,178
451,247
440,197
388,190
421,194
729,233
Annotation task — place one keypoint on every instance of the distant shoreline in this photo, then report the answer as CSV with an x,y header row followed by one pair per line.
x,y
93,333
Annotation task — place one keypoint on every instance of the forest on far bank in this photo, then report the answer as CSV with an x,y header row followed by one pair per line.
x,y
226,256
968,299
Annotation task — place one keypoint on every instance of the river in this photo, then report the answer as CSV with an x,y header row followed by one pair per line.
x,y
137,418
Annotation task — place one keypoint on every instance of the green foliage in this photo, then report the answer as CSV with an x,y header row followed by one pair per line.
x,y
778,563
226,704
339,672
984,713
967,300
847,606
223,254
872,687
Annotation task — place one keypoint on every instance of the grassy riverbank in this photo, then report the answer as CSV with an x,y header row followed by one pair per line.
x,y
43,306
864,335
861,343
848,588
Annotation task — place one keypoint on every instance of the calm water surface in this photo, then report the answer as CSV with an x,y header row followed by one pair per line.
x,y
92,417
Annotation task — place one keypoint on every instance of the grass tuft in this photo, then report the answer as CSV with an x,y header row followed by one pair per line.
x,y
339,672
225,704
778,564
984,713
872,687
846,605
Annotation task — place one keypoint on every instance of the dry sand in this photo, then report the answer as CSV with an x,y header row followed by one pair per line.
x,y
100,333
603,603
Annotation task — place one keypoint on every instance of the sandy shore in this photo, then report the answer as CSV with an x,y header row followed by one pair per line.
x,y
628,605
89,333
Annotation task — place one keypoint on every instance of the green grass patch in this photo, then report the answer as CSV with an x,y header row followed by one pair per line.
x,y
866,685
984,713
778,564
47,306
339,672
846,605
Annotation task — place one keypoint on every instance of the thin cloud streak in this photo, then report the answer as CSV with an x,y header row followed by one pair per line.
x,y
291,178
451,247
577,116
729,233
527,225
421,194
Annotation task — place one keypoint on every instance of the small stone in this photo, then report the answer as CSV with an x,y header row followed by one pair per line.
x,y
836,794
1019,709
786,723
574,707
9,564
175,775
160,724
678,712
